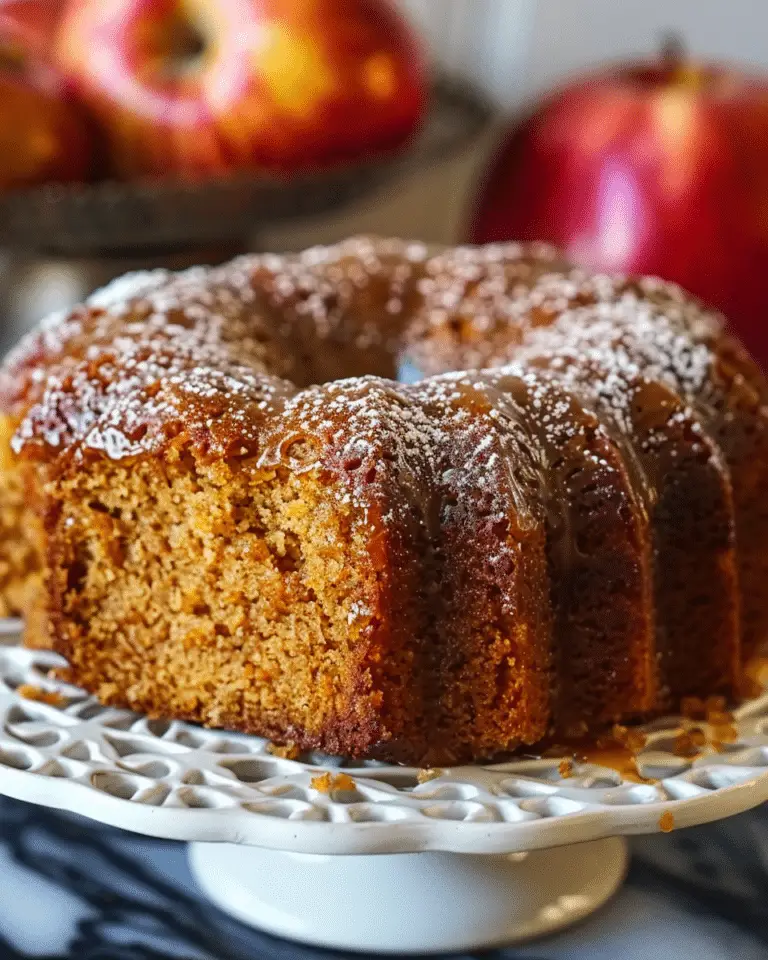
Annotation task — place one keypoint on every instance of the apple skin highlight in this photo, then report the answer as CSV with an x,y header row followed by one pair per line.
x,y
44,135
209,87
650,168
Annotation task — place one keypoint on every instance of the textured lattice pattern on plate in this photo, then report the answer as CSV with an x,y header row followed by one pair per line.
x,y
174,779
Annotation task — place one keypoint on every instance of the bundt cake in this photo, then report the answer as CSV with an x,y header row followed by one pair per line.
x,y
386,501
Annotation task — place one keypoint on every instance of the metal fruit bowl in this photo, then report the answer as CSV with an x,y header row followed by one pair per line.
x,y
115,218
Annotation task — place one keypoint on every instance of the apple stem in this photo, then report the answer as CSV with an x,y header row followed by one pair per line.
x,y
673,51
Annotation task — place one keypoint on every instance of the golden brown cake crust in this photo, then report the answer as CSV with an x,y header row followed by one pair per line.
x,y
411,571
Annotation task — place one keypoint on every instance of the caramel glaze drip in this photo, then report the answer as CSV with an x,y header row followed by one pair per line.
x,y
705,726
615,750
755,677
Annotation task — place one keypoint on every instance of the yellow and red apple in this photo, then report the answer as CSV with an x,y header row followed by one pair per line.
x,y
44,136
203,87
33,22
657,167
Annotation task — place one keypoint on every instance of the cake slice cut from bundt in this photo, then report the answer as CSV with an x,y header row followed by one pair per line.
x,y
210,522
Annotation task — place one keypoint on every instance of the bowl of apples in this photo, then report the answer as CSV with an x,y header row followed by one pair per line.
x,y
182,123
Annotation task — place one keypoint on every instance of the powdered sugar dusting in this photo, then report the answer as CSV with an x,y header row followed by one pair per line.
x,y
206,356
127,289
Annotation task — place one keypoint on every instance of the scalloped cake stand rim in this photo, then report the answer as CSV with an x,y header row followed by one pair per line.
x,y
329,839
382,820
557,861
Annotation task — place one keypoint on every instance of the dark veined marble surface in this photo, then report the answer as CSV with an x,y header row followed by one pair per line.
x,y
70,888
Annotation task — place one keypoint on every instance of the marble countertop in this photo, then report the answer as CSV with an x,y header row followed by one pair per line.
x,y
74,889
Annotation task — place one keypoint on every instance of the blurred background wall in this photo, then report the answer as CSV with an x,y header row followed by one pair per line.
x,y
517,48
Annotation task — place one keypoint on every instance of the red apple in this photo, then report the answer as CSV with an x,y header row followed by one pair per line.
x,y
33,21
205,87
657,168
43,134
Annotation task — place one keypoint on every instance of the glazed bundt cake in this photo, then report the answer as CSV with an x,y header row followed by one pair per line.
x,y
389,502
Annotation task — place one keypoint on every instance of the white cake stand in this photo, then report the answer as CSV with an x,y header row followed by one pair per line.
x,y
471,857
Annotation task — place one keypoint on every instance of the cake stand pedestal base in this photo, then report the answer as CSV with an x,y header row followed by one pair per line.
x,y
410,903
